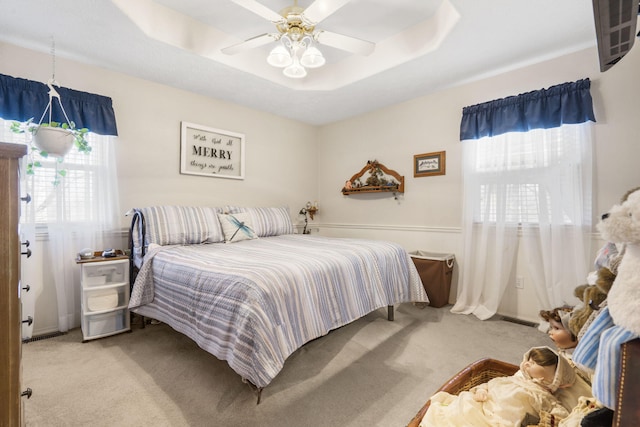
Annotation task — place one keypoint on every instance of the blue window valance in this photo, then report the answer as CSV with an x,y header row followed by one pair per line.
x,y
22,99
567,103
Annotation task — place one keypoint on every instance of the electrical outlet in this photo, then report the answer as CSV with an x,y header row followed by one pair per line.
x,y
519,282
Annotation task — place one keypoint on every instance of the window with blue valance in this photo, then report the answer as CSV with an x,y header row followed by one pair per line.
x,y
567,103
528,186
22,99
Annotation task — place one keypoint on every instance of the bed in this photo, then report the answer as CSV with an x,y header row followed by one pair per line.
x,y
247,289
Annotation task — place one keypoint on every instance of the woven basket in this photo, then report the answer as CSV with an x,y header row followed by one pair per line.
x,y
476,373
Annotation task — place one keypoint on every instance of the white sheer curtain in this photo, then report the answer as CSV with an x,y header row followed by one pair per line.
x,y
537,182
558,247
490,236
81,211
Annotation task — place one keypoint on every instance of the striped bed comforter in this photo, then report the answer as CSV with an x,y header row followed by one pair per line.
x,y
253,303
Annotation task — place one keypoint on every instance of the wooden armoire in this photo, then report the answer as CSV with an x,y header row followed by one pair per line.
x,y
11,249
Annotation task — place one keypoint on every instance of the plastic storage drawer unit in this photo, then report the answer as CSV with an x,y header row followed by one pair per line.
x,y
105,295
435,270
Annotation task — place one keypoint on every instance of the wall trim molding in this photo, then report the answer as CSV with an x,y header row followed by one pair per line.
x,y
410,228
124,232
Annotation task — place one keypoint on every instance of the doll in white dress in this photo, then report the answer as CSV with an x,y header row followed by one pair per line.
x,y
566,341
505,401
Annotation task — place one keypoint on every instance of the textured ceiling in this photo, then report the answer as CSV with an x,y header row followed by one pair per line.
x,y
421,46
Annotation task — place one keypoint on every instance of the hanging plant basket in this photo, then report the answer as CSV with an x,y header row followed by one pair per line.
x,y
54,141
52,138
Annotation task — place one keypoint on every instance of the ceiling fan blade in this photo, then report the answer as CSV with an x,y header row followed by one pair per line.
x,y
342,42
251,43
320,9
261,10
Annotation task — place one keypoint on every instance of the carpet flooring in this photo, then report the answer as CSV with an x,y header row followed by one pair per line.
x,y
372,372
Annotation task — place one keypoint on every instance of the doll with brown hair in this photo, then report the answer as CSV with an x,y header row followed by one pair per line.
x,y
506,401
559,330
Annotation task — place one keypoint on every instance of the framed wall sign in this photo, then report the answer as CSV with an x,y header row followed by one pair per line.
x,y
211,152
429,164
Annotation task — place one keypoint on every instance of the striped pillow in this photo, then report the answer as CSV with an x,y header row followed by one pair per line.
x,y
268,221
182,225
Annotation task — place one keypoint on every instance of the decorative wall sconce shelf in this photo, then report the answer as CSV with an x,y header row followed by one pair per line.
x,y
380,180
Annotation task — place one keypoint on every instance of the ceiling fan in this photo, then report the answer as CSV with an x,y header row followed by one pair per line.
x,y
298,35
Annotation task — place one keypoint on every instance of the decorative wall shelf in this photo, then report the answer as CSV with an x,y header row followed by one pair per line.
x,y
381,179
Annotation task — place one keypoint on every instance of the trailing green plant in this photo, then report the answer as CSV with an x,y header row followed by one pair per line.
x,y
79,135
29,127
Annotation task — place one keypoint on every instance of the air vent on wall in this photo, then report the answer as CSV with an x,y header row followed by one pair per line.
x,y
616,22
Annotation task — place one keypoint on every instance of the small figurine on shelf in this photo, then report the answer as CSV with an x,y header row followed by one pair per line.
x,y
374,177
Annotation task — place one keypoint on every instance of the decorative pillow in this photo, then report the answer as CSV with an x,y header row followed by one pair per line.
x,y
182,225
237,227
268,221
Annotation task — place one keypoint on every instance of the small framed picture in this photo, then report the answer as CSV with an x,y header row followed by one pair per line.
x,y
429,164
211,152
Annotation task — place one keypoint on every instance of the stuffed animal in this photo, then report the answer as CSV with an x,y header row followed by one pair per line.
x,y
591,297
599,349
622,225
593,294
605,279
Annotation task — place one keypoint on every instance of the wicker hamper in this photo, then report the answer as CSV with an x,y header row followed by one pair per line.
x,y
476,373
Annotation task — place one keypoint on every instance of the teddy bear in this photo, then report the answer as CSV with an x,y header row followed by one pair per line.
x,y
619,322
591,298
605,279
622,225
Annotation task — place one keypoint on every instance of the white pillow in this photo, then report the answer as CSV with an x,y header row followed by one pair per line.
x,y
237,227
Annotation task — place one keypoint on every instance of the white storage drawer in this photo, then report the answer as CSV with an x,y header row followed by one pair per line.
x,y
105,298
96,325
103,273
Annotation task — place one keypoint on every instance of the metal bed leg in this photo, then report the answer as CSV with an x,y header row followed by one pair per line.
x,y
390,313
142,319
256,390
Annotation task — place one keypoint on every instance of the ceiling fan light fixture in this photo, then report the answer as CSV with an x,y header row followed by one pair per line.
x,y
295,70
299,36
279,57
312,58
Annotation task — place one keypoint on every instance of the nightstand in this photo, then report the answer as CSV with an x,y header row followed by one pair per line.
x,y
105,295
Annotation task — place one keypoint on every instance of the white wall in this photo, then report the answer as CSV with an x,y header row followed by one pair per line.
x,y
281,165
290,163
428,215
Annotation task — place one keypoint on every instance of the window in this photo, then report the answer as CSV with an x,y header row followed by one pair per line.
x,y
77,197
519,175
527,168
